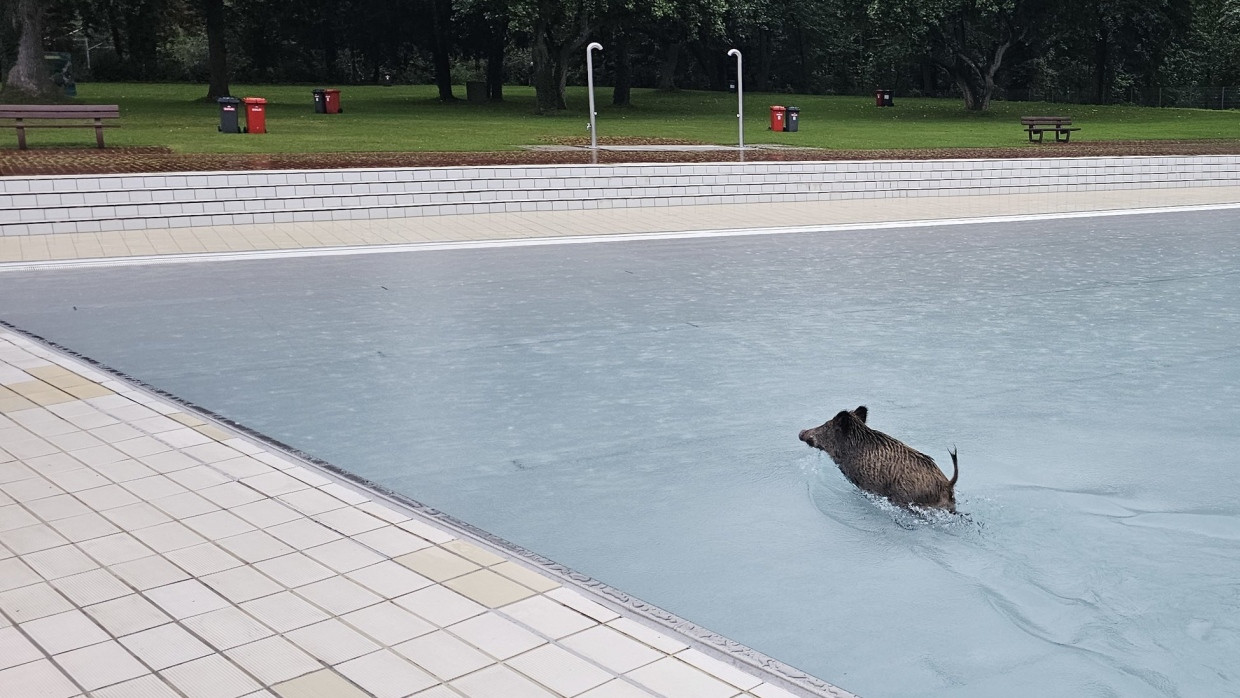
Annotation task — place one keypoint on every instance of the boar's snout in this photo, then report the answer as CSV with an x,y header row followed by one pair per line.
x,y
807,437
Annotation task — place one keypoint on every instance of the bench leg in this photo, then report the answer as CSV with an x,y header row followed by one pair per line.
x,y
98,133
21,136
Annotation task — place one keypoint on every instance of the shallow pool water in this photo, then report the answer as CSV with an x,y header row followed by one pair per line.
x,y
631,410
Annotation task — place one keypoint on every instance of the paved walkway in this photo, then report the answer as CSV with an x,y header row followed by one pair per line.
x,y
146,551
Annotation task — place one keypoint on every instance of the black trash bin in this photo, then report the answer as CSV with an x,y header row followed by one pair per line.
x,y
320,101
792,120
887,101
229,106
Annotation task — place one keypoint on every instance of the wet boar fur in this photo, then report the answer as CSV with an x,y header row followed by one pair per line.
x,y
880,464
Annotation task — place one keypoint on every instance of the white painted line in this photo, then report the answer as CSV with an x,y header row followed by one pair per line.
x,y
198,257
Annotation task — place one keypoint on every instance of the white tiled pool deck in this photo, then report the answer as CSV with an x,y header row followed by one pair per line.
x,y
147,551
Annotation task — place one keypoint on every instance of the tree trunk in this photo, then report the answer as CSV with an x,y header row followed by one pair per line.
x,y
29,76
441,11
547,95
1101,54
667,69
495,58
761,79
621,91
217,55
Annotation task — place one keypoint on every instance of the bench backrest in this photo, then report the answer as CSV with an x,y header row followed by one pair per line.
x,y
60,111
1039,120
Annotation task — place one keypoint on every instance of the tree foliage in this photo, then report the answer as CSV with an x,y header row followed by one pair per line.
x,y
978,50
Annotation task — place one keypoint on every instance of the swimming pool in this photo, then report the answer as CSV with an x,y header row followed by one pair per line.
x,y
631,410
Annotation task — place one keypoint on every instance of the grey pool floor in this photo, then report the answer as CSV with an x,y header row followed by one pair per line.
x,y
148,551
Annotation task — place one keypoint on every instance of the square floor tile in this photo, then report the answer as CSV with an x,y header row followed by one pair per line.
x,y
254,546
64,631
34,601
344,494
100,665
437,563
230,495
332,641
188,598
140,446
127,614
94,586
275,483
124,470
241,584
154,487
212,676
303,533
388,514
16,649
265,512
149,686
184,505
57,507
311,501
63,561
670,676
389,579
439,605
115,549
560,670
148,572
203,559
611,648
388,623
719,669
392,541
443,655
84,527
350,521
218,524
645,635
618,688
243,467
165,646
338,595
29,489
14,517
284,611
548,617
499,681
107,497
386,674
344,555
199,477
525,576
135,516
169,536
319,684
498,637
273,659
168,462
39,678
473,553
15,573
488,588
31,539
294,570
227,628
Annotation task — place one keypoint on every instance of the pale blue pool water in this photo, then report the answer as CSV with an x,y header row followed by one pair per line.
x,y
631,410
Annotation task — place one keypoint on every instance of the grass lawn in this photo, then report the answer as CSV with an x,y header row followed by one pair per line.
x,y
410,118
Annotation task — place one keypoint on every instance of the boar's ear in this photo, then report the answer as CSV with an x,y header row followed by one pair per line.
x,y
861,412
843,421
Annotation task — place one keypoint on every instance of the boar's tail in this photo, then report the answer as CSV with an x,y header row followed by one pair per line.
x,y
955,468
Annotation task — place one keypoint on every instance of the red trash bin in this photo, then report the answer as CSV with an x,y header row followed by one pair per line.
x,y
777,117
878,98
333,101
255,114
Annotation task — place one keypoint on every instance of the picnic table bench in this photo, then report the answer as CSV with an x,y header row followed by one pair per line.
x,y
1061,125
86,116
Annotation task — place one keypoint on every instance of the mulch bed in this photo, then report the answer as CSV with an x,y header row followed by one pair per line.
x,y
64,161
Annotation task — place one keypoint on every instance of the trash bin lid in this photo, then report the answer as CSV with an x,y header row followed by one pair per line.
x,y
794,109
329,91
228,100
776,107
254,100
318,91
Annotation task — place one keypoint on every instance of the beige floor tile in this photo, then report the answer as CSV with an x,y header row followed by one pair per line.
x,y
488,588
320,684
437,563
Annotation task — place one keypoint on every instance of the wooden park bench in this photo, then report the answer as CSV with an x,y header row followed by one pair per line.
x,y
86,116
1038,124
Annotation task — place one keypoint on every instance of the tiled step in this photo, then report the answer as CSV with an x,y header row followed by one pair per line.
x,y
44,205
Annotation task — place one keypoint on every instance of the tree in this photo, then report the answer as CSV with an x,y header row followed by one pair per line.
x,y
966,39
29,77
217,53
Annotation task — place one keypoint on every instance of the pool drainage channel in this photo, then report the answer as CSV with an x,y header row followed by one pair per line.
x,y
718,646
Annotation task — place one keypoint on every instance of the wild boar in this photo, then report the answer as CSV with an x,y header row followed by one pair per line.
x,y
877,463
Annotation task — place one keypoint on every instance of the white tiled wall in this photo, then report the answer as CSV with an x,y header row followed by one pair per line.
x,y
117,202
